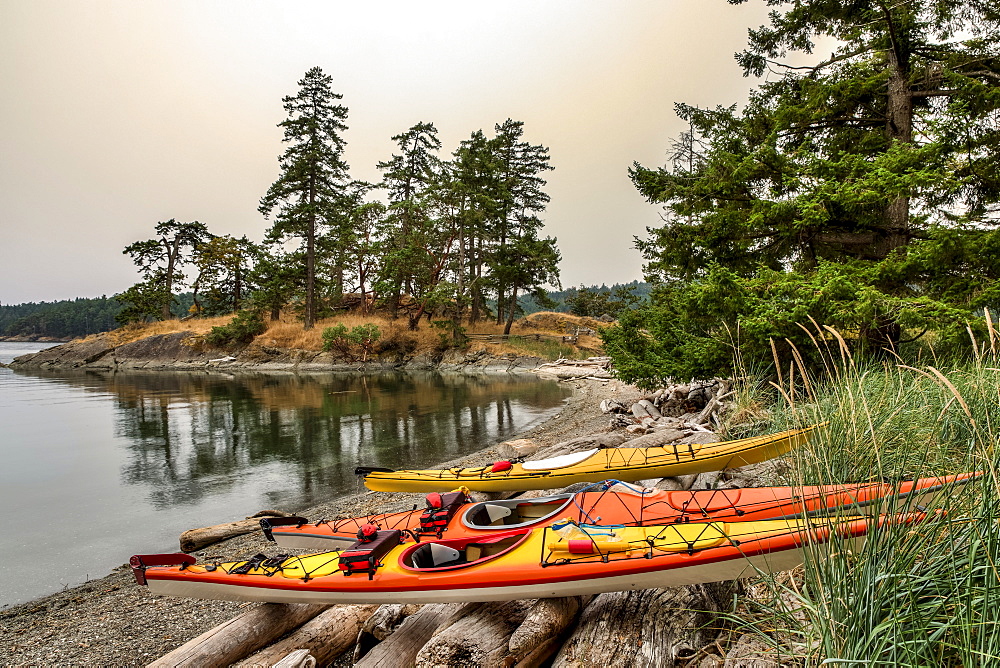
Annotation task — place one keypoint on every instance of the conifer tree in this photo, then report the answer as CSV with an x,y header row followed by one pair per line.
x,y
860,191
519,200
407,176
161,261
312,189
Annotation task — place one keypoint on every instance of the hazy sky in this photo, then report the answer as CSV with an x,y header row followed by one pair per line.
x,y
117,114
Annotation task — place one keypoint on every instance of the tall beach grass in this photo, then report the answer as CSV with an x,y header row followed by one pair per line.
x,y
913,594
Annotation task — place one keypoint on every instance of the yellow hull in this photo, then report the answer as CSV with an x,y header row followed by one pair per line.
x,y
627,464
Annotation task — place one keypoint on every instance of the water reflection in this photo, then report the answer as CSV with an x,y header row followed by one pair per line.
x,y
297,439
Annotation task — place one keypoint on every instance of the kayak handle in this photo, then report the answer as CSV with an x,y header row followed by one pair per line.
x,y
139,562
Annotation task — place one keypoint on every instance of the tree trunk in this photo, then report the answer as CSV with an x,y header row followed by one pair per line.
x,y
899,129
326,636
236,639
512,309
172,252
310,315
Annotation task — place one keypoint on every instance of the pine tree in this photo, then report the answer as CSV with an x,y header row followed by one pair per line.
x,y
312,189
224,268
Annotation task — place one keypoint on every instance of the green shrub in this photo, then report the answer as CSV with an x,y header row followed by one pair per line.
x,y
241,330
339,339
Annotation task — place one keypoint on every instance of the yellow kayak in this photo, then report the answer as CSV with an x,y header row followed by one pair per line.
x,y
626,464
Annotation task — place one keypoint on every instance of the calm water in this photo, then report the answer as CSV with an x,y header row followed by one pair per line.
x,y
98,466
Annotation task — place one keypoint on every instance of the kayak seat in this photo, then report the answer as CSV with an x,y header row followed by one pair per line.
x,y
490,514
562,461
435,555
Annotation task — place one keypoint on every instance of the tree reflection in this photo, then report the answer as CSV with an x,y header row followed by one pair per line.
x,y
193,435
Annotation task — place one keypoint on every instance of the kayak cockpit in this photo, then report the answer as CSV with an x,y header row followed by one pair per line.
x,y
459,553
514,513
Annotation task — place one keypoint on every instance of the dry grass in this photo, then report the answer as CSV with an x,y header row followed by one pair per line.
x,y
559,323
137,331
288,333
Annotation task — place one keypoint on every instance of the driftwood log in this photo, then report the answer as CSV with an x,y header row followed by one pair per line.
x,y
383,623
651,628
541,633
241,636
401,648
326,636
478,636
521,447
195,539
300,658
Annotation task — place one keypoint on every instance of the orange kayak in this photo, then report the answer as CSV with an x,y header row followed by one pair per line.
x,y
614,503
524,563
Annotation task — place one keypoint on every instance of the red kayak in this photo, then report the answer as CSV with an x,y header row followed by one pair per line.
x,y
452,515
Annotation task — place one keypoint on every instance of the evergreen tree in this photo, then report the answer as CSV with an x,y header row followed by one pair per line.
x,y
518,202
312,189
474,191
407,176
859,191
161,262
277,278
224,267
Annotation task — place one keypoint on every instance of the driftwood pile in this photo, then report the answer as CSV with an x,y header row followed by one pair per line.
x,y
652,628
685,406
594,368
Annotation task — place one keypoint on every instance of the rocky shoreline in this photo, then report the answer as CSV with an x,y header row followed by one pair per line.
x,y
180,351
113,621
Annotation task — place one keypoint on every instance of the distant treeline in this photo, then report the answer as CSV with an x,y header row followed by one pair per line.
x,y
594,301
60,319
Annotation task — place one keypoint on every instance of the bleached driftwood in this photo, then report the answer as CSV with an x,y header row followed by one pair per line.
x,y
382,623
326,636
400,648
594,367
241,636
521,447
300,658
645,408
650,627
540,634
478,637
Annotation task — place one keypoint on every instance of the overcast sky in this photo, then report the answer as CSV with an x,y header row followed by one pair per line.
x,y
117,114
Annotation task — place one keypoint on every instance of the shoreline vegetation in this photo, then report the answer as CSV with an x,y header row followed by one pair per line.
x,y
286,346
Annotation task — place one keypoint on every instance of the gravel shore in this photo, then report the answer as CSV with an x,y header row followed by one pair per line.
x,y
112,621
